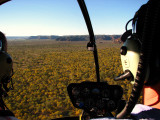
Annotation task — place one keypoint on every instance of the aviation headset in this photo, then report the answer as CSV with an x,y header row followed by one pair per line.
x,y
140,54
6,69
130,50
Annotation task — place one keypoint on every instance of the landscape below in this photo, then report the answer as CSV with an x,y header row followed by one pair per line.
x,y
44,68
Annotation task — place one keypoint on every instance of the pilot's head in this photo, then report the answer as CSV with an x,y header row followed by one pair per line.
x,y
6,65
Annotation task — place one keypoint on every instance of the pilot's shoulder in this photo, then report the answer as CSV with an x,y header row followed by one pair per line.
x,y
142,111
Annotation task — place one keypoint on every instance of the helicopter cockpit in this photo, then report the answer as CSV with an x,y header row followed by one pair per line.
x,y
99,99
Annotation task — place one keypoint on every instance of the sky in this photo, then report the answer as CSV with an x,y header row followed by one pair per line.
x,y
64,17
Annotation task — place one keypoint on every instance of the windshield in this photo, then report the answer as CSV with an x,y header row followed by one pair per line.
x,y
47,41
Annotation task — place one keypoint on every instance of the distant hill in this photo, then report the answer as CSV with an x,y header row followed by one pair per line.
x,y
73,38
43,37
114,38
17,37
77,37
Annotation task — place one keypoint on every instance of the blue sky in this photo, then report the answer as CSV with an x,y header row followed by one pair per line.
x,y
63,17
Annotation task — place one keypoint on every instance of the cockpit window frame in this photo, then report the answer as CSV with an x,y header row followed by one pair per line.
x,y
1,44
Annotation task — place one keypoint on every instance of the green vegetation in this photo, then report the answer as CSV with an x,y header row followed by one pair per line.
x,y
43,69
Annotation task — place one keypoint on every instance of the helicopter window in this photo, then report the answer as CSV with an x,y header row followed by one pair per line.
x,y
47,40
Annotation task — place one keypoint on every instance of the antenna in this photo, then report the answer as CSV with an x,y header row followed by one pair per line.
x,y
92,44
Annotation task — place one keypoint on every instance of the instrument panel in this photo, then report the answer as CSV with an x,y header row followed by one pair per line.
x,y
95,95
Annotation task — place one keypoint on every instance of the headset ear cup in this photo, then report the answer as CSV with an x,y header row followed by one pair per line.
x,y
126,35
4,42
6,64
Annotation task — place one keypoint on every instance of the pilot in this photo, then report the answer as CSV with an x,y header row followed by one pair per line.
x,y
151,89
6,72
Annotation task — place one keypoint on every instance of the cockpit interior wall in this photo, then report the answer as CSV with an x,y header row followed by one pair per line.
x,y
3,1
